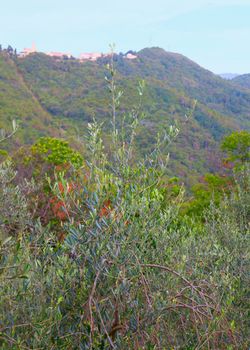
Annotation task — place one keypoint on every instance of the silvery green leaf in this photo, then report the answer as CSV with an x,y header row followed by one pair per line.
x,y
14,124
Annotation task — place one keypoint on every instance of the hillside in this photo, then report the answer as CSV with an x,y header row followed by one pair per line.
x,y
188,77
243,80
72,93
17,101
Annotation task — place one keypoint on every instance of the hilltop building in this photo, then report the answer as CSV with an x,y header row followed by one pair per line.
x,y
86,56
90,56
59,54
93,56
130,56
28,51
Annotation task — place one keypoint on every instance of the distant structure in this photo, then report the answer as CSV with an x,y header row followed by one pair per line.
x,y
90,56
59,54
93,56
130,56
28,51
86,56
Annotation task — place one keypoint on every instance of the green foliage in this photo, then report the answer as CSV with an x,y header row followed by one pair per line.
x,y
14,214
128,270
17,102
44,160
4,136
214,186
237,145
211,188
56,152
54,97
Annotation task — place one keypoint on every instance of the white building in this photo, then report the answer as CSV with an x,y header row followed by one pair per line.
x,y
59,54
130,56
90,56
28,51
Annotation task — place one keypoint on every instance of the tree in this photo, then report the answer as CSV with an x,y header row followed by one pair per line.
x,y
237,146
10,50
212,187
56,152
45,159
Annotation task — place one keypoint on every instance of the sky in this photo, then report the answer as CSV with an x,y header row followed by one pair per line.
x,y
213,33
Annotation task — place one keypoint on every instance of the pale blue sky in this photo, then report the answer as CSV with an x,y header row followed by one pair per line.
x,y
214,33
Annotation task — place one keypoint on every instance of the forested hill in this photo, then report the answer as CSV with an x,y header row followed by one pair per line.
x,y
46,93
242,80
189,78
17,101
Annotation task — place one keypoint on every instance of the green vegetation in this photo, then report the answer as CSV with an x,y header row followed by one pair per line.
x,y
56,151
60,97
104,250
128,269
237,145
122,267
17,102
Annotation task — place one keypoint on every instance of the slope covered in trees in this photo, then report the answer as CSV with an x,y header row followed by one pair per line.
x,y
72,93
18,102
243,80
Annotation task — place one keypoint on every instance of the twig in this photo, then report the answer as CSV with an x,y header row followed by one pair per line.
x,y
90,302
166,268
103,325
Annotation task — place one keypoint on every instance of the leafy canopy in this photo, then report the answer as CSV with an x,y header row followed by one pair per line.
x,y
237,145
57,152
